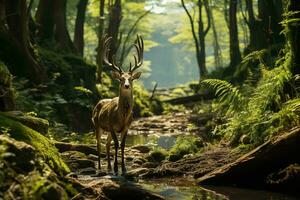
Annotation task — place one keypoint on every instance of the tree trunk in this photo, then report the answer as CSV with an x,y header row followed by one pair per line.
x,y
194,35
115,17
100,36
16,18
257,40
201,36
216,45
293,36
61,32
45,20
79,26
269,12
235,54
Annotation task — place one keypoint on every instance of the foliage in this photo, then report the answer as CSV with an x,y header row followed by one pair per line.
x,y
265,112
157,155
184,145
226,93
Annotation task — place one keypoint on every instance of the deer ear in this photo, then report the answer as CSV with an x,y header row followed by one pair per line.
x,y
136,75
116,75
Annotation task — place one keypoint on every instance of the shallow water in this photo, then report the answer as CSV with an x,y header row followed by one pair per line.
x,y
179,191
185,189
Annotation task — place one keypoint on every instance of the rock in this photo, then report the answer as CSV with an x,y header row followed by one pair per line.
x,y
54,191
87,171
150,164
77,164
141,148
129,158
86,149
156,156
137,172
38,124
174,157
138,161
116,188
22,156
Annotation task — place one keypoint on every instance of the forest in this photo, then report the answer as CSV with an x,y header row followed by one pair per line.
x,y
149,99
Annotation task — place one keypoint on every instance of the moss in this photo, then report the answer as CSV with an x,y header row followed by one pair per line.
x,y
42,144
185,145
157,155
7,93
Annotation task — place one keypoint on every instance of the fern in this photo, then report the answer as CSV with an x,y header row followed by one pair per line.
x,y
226,93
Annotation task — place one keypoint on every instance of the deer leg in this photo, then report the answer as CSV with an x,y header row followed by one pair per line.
x,y
116,144
108,142
123,139
99,132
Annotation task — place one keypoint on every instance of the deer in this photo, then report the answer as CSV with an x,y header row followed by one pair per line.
x,y
115,115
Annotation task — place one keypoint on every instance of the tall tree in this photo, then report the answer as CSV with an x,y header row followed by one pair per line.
x,y
216,45
199,38
79,26
293,35
235,54
101,31
115,17
15,39
270,14
52,23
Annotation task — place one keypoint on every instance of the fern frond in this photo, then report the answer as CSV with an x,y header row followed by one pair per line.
x,y
226,93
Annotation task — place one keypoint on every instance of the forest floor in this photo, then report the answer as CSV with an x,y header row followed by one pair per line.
x,y
139,161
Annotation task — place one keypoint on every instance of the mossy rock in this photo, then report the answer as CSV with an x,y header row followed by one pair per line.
x,y
38,124
157,155
7,94
43,145
22,156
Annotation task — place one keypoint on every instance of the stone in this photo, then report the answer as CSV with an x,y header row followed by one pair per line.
x,y
150,164
77,164
87,171
38,124
141,148
137,172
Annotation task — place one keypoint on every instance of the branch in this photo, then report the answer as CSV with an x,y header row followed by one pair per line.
x,y
124,52
208,17
243,14
192,26
29,8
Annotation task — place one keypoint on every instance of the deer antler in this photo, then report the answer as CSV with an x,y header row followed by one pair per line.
x,y
138,61
105,46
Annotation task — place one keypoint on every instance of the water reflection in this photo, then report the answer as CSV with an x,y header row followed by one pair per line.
x,y
193,192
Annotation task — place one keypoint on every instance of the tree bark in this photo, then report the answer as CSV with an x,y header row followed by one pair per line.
x,y
293,37
101,31
52,25
61,32
269,12
17,22
199,39
216,45
45,20
79,26
235,54
115,17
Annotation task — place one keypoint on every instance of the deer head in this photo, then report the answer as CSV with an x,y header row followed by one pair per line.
x,y
125,78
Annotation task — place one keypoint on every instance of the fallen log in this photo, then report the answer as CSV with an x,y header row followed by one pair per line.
x,y
252,169
62,147
190,99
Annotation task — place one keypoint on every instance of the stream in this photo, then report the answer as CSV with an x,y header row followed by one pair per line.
x,y
185,188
